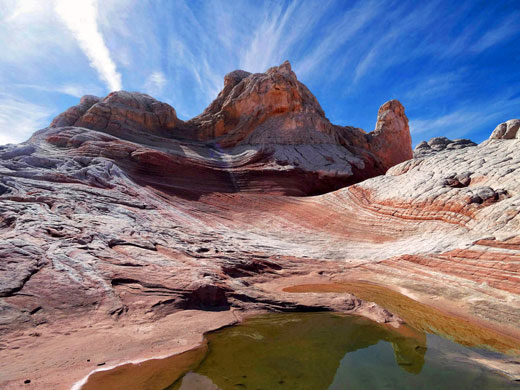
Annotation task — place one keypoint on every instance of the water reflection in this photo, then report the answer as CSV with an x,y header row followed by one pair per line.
x,y
419,316
319,351
296,351
310,351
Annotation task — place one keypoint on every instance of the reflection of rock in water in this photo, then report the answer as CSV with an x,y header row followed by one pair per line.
x,y
424,318
409,347
298,351
409,354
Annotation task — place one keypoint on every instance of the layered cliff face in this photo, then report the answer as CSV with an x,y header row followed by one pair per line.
x,y
121,212
264,133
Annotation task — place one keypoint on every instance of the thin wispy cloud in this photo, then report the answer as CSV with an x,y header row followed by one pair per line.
x,y
504,30
264,49
155,83
338,34
81,18
20,118
75,90
435,85
400,24
281,33
463,121
28,33
365,64
454,119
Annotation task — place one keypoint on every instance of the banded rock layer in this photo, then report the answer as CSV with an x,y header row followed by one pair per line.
x,y
120,210
264,132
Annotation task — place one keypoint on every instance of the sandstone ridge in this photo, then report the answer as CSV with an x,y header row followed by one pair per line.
x,y
265,132
120,218
107,243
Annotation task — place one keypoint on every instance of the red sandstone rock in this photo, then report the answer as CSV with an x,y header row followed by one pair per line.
x,y
135,215
391,139
265,133
123,114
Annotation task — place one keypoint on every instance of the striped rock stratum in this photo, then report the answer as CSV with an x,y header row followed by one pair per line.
x,y
121,213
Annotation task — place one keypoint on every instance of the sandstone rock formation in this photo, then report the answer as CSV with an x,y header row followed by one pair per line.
x,y
121,212
472,193
125,163
507,130
123,114
264,132
440,144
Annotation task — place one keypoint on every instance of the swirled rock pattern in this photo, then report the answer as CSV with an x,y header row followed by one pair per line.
x,y
121,211
120,206
265,132
79,234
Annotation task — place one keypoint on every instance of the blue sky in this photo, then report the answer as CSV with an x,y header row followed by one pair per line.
x,y
455,65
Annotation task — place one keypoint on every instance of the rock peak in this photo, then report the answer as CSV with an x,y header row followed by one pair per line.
x,y
249,100
123,114
507,130
392,105
271,116
233,78
392,138
284,68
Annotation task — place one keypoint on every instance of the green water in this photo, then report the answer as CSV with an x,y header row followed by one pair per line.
x,y
319,351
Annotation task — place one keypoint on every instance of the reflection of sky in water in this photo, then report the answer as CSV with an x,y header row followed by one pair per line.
x,y
323,351
446,366
356,369
193,381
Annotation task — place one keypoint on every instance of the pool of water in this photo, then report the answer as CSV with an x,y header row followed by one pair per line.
x,y
319,351
419,316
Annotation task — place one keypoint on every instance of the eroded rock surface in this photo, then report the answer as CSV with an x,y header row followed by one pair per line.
x,y
128,115
121,212
507,130
440,144
473,190
265,132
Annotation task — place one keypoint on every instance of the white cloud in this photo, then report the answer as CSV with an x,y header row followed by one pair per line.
x,y
20,118
338,34
281,31
264,50
155,83
463,121
75,90
365,64
81,18
435,85
503,31
29,33
399,23
456,118
22,9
